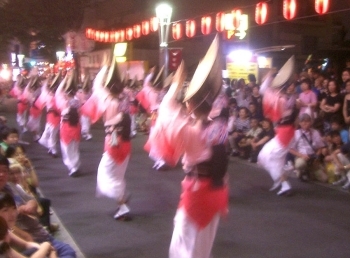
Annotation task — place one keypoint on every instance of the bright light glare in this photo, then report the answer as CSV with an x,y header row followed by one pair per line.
x,y
241,56
163,12
5,74
262,61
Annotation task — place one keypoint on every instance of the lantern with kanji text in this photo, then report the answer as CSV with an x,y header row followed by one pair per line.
x,y
176,30
220,22
190,28
236,17
321,6
206,25
121,35
289,9
261,11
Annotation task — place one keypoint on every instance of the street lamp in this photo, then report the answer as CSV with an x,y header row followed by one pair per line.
x,y
163,13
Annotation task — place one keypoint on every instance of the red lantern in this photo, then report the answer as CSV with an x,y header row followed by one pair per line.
x,y
190,28
321,6
220,22
154,24
137,31
289,9
116,36
145,27
236,17
261,10
97,35
88,33
206,25
121,35
112,36
176,30
129,34
106,39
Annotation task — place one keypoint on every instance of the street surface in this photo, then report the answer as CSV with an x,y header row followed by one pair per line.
x,y
314,222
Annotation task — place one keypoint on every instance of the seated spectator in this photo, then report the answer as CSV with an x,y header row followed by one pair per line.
x,y
306,149
12,245
267,134
338,125
9,136
30,183
251,136
240,127
342,163
257,100
253,112
331,140
28,227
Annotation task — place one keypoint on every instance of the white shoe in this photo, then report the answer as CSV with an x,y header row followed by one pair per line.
x,y
73,173
88,137
122,212
36,138
346,186
285,189
161,165
288,167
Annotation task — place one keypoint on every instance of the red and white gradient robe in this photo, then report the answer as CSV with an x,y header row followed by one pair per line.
x,y
49,138
69,135
272,157
22,106
34,118
115,158
176,134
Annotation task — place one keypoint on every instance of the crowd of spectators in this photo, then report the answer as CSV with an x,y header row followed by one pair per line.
x,y
321,143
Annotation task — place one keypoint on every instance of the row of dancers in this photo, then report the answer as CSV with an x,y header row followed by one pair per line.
x,y
180,129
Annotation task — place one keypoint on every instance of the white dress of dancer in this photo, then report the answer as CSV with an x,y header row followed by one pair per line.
x,y
34,118
69,135
115,159
49,138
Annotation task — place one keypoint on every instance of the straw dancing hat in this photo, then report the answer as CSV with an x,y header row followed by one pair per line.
x,y
284,74
206,82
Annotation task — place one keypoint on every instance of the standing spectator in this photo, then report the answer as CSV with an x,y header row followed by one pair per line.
x,y
256,98
331,105
307,100
240,127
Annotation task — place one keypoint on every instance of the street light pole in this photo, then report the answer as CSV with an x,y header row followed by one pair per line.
x,y
163,13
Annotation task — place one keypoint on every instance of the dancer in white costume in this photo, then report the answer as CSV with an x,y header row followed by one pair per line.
x,y
187,131
49,138
32,92
276,106
22,103
110,102
70,129
83,94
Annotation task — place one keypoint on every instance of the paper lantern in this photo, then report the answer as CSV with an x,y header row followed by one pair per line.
x,y
321,6
137,31
176,29
88,33
121,35
106,37
145,27
112,36
154,24
261,11
97,35
190,28
220,22
289,9
236,17
206,25
129,33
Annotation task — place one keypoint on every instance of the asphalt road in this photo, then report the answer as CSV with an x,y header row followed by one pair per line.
x,y
313,222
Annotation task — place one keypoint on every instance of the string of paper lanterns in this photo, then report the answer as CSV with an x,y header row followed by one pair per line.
x,y
223,21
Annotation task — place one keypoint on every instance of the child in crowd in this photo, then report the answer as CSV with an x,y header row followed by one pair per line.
x,y
9,136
